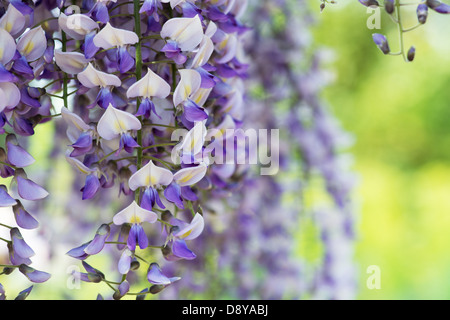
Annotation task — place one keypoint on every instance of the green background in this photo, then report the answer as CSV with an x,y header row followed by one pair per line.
x,y
399,114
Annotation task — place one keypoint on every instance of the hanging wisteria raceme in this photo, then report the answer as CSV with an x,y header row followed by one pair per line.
x,y
138,85
254,256
317,139
26,55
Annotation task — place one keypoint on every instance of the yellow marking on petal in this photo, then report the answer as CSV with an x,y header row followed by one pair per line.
x,y
28,48
184,235
135,219
199,98
150,180
1,53
119,125
223,44
187,178
75,63
8,26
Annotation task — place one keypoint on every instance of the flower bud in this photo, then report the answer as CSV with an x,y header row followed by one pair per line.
x,y
156,288
389,6
369,3
382,43
411,53
422,13
134,265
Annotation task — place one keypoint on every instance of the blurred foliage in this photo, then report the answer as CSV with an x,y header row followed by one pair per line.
x,y
399,114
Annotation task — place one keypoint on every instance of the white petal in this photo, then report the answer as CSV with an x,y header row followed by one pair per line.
x,y
150,175
134,214
13,21
77,164
173,3
115,122
211,29
193,229
151,85
227,48
32,44
91,77
9,95
70,62
191,175
194,140
190,82
77,26
187,32
204,53
73,119
200,96
110,37
7,47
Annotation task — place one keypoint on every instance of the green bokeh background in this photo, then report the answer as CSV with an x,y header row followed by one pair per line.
x,y
399,114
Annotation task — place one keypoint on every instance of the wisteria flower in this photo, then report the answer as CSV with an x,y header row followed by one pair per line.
x,y
151,85
180,189
135,215
92,78
150,177
189,83
115,124
110,37
184,34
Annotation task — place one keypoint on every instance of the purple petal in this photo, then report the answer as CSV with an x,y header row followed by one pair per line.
x,y
89,48
23,126
91,186
190,10
149,7
30,190
188,194
15,258
34,275
208,80
19,246
180,249
128,143
146,108
173,194
193,112
25,98
155,275
141,237
98,242
132,238
5,199
78,252
23,218
6,76
215,14
105,98
124,287
18,157
21,66
125,60
100,12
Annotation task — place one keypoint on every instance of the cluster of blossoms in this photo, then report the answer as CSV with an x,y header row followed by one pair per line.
x,y
256,252
393,9
125,77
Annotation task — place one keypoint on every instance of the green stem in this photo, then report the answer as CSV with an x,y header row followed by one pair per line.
x,y
400,28
65,78
137,27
